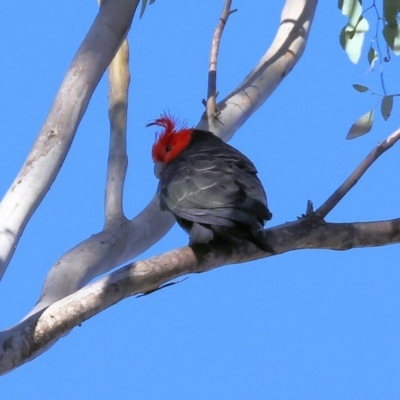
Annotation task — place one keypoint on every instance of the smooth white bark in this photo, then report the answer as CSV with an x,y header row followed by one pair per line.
x,y
286,49
119,79
123,240
81,264
54,140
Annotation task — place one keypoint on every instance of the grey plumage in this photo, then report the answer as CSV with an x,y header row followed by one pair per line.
x,y
214,192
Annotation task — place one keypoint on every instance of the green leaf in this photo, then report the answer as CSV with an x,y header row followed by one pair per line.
x,y
352,39
144,4
391,33
372,56
360,88
390,11
362,126
386,107
352,9
352,35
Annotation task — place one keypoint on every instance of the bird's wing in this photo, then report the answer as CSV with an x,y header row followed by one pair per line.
x,y
214,189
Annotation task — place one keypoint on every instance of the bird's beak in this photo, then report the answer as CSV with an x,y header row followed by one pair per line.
x,y
158,169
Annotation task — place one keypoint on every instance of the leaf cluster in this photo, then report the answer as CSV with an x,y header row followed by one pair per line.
x,y
352,38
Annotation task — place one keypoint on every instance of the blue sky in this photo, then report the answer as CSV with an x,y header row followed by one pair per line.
x,y
308,324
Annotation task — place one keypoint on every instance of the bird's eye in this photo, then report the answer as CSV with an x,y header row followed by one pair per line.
x,y
168,148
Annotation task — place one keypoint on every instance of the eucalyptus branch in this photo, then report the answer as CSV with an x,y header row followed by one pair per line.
x,y
121,242
285,51
114,245
54,140
118,78
103,251
22,343
212,73
357,174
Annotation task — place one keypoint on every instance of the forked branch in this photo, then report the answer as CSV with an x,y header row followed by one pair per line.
x,y
41,329
55,137
281,57
118,243
111,247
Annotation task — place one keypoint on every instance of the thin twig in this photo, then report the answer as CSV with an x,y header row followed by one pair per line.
x,y
310,209
119,78
357,174
212,73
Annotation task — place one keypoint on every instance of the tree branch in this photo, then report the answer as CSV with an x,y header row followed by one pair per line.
x,y
118,78
103,251
22,343
357,174
113,246
285,51
118,243
54,140
212,73
110,247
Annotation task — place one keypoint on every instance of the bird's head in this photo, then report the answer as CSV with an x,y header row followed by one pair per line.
x,y
169,143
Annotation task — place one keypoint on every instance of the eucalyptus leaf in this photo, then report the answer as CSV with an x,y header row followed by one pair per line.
x,y
372,56
144,4
386,107
390,11
360,88
362,126
352,9
391,33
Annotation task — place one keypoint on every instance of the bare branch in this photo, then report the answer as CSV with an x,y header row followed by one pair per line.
x,y
212,73
357,174
285,51
54,140
112,246
119,243
116,244
98,254
22,343
119,78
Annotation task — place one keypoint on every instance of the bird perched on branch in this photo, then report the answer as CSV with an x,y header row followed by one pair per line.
x,y
211,188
